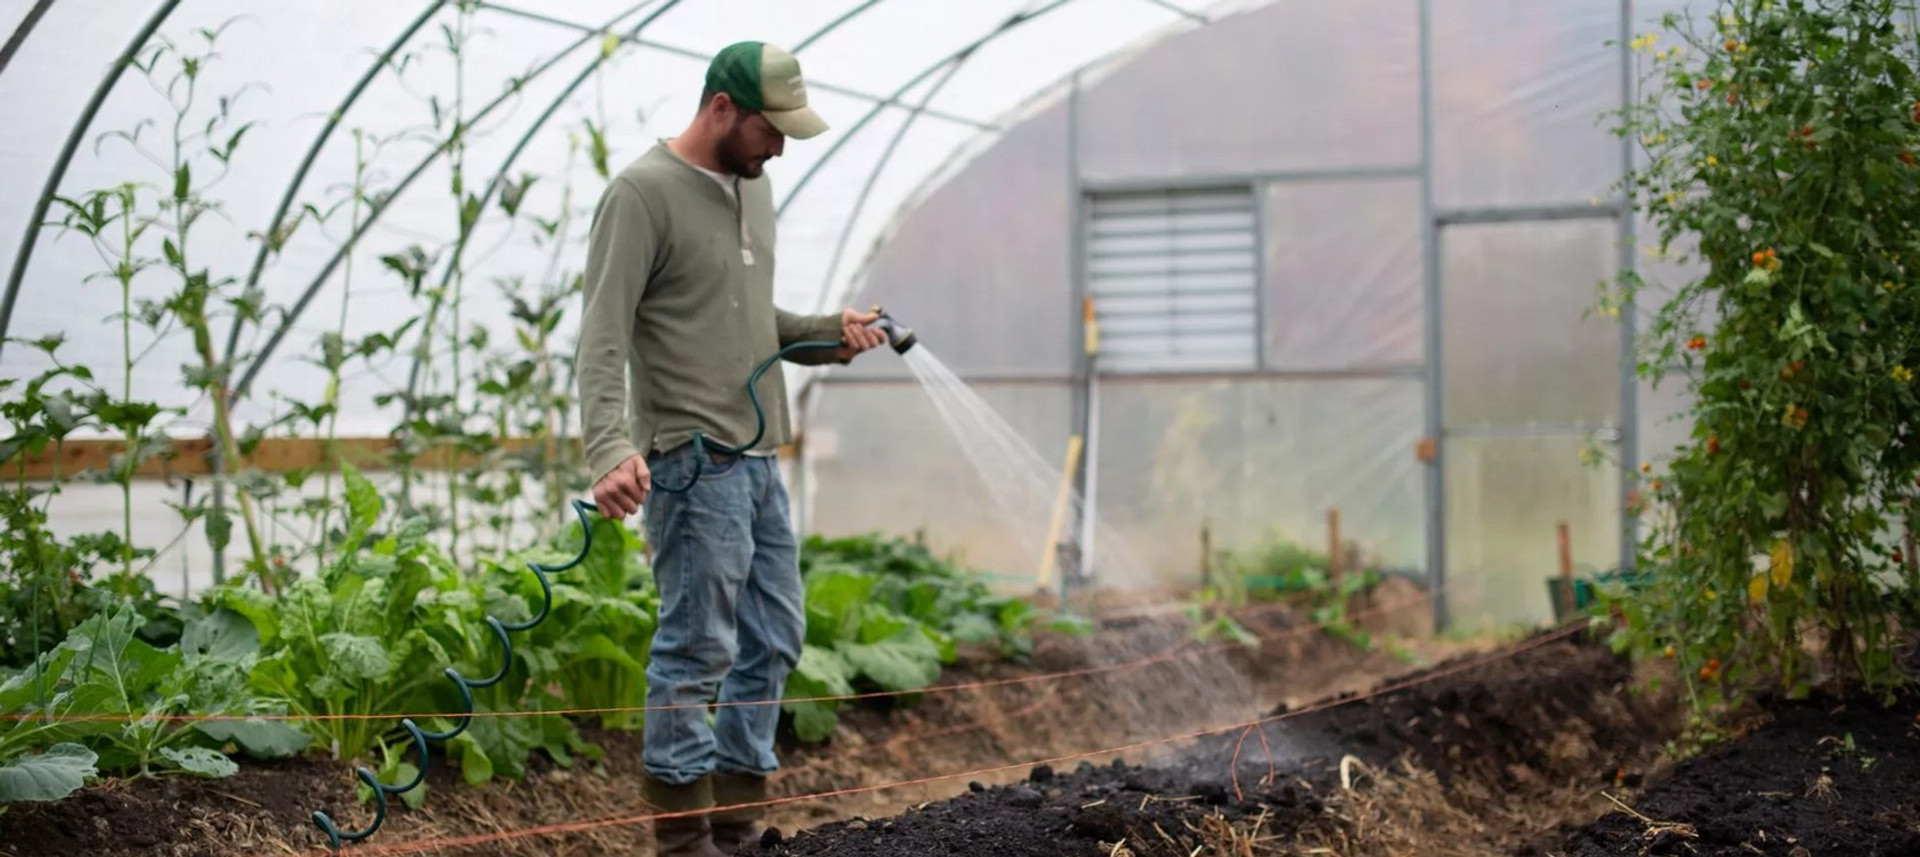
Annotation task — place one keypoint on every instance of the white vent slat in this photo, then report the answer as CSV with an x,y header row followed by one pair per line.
x,y
1175,278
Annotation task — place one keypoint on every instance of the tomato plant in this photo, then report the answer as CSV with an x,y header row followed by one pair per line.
x,y
1781,143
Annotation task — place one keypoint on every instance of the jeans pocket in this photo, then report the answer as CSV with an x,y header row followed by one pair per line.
x,y
727,464
671,470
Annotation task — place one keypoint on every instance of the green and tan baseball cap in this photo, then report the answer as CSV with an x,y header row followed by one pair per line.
x,y
763,77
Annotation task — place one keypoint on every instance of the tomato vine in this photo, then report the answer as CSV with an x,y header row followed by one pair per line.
x,y
1782,145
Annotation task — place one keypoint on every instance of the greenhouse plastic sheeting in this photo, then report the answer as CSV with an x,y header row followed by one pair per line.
x,y
973,67
1343,271
183,563
1256,460
880,459
1517,349
1505,500
1519,89
1289,87
1665,417
984,274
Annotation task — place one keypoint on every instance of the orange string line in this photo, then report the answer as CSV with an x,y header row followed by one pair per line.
x,y
1172,654
437,843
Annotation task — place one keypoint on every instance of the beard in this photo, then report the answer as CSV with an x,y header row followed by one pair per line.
x,y
736,157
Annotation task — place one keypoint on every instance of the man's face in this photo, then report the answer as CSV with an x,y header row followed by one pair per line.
x,y
749,142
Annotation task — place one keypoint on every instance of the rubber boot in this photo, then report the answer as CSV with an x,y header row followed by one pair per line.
x,y
734,829
686,835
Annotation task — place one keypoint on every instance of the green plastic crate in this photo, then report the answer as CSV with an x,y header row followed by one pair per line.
x,y
1584,594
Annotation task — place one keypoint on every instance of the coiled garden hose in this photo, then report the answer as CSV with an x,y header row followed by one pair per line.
x,y
335,835
900,337
701,445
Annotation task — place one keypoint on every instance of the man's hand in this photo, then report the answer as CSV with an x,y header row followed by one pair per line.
x,y
855,335
620,492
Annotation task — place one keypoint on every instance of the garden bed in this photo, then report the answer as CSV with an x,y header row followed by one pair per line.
x,y
1509,751
267,807
1514,734
1819,778
1536,755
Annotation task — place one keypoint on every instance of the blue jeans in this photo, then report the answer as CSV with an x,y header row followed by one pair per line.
x,y
732,618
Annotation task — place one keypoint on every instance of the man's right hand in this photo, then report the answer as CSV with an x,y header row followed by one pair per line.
x,y
620,492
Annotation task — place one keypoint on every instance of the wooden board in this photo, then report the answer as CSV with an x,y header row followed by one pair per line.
x,y
190,457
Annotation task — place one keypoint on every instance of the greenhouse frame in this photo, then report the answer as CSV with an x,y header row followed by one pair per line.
x,y
1228,273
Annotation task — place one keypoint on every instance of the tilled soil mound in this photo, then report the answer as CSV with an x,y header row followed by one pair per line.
x,y
1083,812
1558,709
1820,779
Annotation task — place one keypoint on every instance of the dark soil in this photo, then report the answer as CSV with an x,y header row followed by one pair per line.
x,y
181,817
1553,712
1820,779
1009,724
1082,812
1559,711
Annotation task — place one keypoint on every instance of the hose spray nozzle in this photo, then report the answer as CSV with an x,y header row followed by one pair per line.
x,y
900,336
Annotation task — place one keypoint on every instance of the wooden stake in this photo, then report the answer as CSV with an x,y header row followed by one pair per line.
x,y
1335,556
1206,554
1052,545
1567,599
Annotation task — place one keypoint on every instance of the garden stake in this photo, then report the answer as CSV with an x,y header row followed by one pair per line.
x,y
1569,599
899,336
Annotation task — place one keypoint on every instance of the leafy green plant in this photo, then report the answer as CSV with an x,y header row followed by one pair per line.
x,y
885,615
1784,143
914,583
356,640
593,646
1209,624
204,143
47,585
135,707
51,774
589,652
1284,571
374,632
856,644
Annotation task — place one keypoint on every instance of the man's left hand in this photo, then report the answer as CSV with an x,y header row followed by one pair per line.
x,y
855,335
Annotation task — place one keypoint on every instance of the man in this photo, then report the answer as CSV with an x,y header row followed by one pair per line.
x,y
679,290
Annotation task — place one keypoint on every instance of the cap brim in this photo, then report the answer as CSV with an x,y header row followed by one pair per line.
x,y
799,124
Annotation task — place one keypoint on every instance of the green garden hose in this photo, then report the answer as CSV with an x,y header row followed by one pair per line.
x,y
465,685
701,445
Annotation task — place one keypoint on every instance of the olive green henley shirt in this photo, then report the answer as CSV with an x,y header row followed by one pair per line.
x,y
679,291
